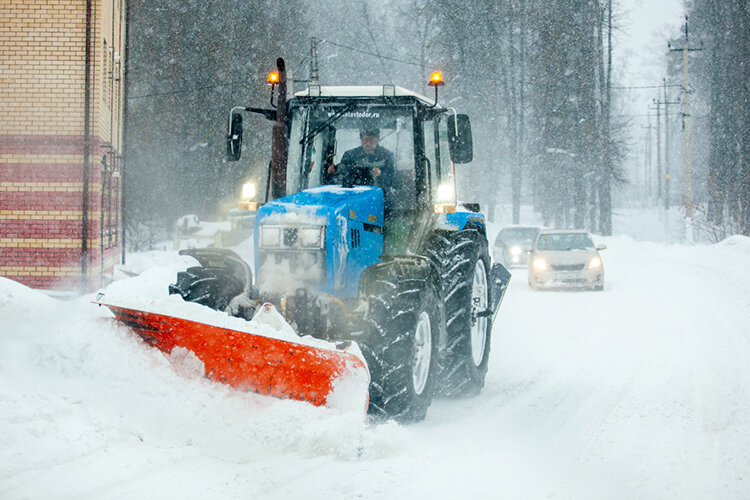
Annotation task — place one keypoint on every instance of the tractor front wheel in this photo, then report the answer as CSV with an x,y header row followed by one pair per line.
x,y
464,263
402,332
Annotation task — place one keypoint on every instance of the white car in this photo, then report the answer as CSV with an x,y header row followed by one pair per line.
x,y
565,258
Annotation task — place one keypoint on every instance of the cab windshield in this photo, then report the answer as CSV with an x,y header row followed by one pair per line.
x,y
564,241
323,133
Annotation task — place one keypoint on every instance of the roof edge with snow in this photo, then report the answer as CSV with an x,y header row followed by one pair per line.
x,y
363,91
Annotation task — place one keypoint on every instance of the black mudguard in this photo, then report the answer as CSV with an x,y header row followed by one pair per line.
x,y
500,279
222,257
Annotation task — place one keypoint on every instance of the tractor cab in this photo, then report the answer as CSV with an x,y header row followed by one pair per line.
x,y
324,127
418,143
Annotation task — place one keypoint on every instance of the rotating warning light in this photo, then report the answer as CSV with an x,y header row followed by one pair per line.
x,y
436,79
273,78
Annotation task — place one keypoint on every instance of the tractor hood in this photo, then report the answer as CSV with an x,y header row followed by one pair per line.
x,y
321,205
320,239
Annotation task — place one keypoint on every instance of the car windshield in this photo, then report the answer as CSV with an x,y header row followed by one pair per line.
x,y
564,241
321,134
516,236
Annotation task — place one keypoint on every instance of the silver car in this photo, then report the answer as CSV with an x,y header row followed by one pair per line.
x,y
564,259
512,244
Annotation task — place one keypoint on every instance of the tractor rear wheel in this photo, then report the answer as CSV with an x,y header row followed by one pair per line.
x,y
213,287
402,331
464,264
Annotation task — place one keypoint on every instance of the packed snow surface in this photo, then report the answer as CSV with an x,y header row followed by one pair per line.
x,y
639,391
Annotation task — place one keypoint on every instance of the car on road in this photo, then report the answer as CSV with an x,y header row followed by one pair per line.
x,y
565,258
511,245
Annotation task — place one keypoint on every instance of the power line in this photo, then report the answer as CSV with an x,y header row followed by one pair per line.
x,y
354,49
204,87
637,116
636,87
183,91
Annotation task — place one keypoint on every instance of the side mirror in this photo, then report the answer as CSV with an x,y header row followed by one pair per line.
x,y
472,207
234,137
459,139
601,246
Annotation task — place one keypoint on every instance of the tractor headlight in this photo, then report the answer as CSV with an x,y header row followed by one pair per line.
x,y
540,264
445,199
446,193
312,237
292,237
248,191
270,237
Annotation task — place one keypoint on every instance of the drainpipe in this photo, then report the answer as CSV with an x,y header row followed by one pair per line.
x,y
86,150
124,104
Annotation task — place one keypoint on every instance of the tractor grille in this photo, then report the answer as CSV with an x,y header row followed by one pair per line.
x,y
284,271
355,242
567,267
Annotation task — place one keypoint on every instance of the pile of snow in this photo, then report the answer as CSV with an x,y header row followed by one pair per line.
x,y
78,387
187,224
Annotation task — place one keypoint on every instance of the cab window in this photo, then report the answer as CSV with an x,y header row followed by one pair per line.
x,y
312,148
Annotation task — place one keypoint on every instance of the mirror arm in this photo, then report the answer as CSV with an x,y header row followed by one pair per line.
x,y
269,114
455,119
232,112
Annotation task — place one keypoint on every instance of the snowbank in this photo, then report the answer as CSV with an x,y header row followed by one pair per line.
x,y
78,388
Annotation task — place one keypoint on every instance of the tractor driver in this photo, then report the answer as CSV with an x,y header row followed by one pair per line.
x,y
368,165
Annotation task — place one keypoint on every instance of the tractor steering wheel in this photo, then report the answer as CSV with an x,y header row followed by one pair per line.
x,y
357,175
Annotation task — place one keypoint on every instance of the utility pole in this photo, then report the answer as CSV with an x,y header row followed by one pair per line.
x,y
658,151
515,175
522,104
314,78
686,126
648,128
666,146
605,192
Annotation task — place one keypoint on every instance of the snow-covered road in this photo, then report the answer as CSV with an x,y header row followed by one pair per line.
x,y
640,391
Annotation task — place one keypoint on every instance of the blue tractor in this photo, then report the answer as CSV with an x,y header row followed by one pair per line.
x,y
396,264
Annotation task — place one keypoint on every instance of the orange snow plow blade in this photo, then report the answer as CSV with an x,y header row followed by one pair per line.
x,y
268,366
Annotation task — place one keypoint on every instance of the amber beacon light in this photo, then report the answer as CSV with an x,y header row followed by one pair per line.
x,y
436,80
273,80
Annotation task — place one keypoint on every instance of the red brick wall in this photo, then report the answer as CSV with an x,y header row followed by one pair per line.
x,y
42,94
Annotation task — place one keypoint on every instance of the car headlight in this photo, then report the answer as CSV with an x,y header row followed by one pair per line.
x,y
540,264
311,237
516,250
270,237
595,263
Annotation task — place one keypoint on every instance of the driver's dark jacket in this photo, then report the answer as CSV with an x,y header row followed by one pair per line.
x,y
381,158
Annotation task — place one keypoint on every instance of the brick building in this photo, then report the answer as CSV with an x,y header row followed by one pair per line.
x,y
61,116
